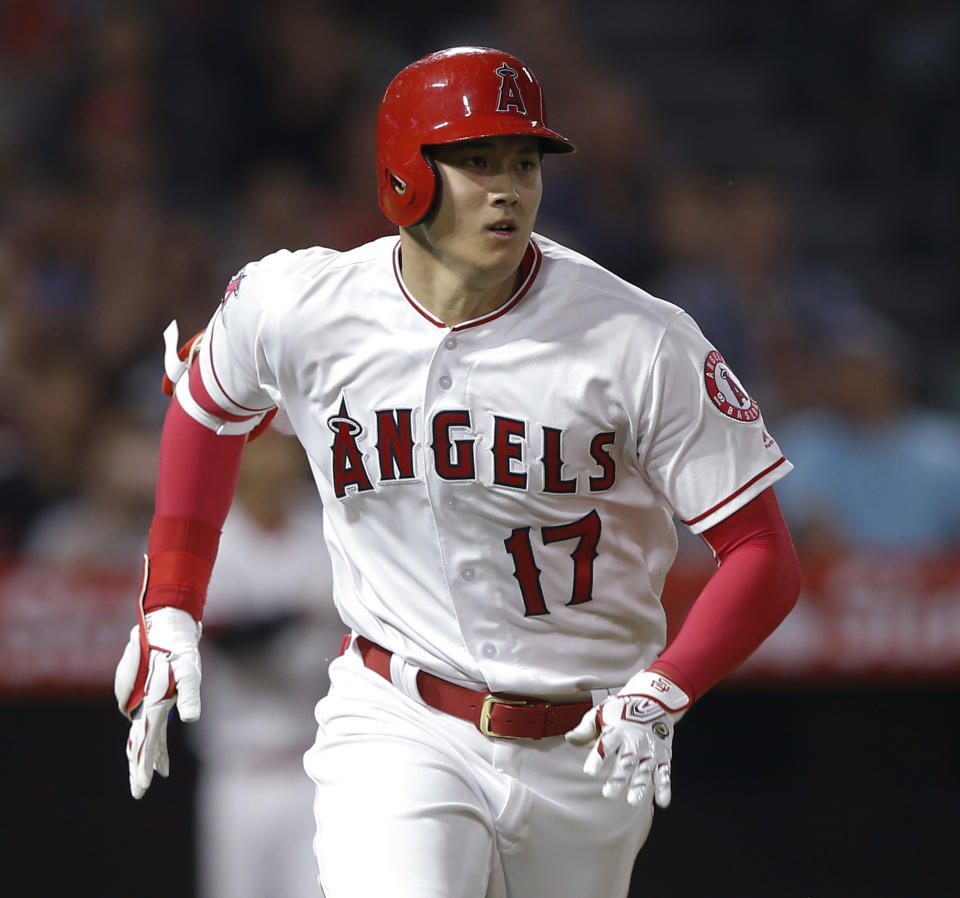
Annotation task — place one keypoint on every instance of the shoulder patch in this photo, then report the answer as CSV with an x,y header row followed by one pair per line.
x,y
726,392
233,288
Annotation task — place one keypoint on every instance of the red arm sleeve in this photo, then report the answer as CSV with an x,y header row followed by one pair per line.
x,y
751,592
196,481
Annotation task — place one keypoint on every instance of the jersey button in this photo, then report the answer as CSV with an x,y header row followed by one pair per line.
x,y
450,503
446,382
450,342
468,573
489,650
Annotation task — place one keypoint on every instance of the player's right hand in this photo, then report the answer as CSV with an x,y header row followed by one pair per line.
x,y
632,736
159,668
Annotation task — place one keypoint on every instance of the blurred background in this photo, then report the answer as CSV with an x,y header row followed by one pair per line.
x,y
788,172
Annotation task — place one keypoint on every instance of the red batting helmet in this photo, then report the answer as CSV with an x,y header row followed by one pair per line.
x,y
458,94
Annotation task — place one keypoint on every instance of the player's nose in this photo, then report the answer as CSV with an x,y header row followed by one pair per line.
x,y
504,190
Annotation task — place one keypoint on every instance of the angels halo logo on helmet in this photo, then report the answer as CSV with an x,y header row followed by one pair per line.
x,y
459,94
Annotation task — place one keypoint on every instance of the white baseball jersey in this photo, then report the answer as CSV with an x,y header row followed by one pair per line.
x,y
499,496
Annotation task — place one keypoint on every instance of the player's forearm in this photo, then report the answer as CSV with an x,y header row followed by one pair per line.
x,y
196,480
198,469
752,591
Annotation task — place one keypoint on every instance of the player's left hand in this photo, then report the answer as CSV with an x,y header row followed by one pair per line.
x,y
632,734
159,668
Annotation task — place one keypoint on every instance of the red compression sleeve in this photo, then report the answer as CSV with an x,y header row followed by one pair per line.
x,y
198,469
196,480
752,591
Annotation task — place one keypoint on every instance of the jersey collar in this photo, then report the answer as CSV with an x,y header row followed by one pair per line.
x,y
529,266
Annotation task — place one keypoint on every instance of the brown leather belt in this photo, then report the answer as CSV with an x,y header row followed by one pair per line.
x,y
504,716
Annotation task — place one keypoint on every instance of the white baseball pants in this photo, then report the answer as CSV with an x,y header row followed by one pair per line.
x,y
414,803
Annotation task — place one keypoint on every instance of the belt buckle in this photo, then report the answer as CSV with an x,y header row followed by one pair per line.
x,y
486,709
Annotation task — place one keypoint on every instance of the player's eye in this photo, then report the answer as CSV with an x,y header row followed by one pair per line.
x,y
474,162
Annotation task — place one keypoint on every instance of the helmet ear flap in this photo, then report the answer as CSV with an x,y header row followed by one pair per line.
x,y
407,198
397,195
431,183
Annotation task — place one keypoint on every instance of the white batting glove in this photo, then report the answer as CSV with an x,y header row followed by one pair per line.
x,y
632,734
159,668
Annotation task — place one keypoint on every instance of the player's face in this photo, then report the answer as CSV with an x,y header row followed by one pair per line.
x,y
489,194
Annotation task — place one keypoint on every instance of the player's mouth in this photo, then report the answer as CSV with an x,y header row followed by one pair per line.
x,y
503,229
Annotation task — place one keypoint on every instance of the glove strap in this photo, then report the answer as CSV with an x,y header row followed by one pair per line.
x,y
177,362
654,685
136,694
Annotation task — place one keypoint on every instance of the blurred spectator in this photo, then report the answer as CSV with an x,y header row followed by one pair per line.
x,y
34,52
874,470
104,524
732,266
687,221
303,68
602,202
278,202
270,630
99,268
51,232
95,120
53,395
349,215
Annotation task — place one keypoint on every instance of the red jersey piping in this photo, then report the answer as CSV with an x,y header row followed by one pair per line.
x,y
213,371
529,267
736,493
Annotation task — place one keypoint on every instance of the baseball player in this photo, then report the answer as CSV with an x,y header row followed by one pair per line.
x,y
270,630
502,434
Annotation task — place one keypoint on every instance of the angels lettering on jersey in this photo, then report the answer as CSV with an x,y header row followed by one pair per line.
x,y
388,450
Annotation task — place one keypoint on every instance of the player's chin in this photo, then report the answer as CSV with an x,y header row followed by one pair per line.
x,y
499,264
508,245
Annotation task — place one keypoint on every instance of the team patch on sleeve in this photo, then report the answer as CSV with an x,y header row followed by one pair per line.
x,y
726,392
233,288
